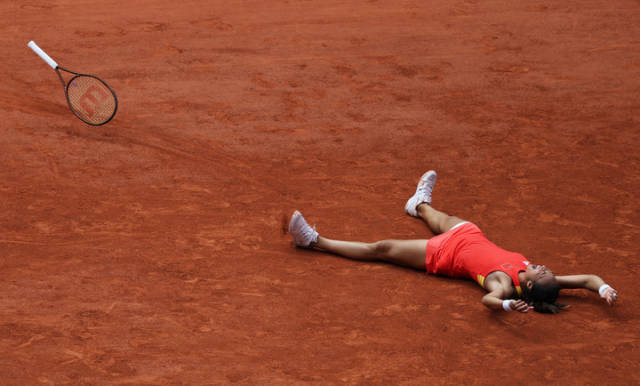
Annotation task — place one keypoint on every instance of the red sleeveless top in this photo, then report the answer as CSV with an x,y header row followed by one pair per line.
x,y
465,252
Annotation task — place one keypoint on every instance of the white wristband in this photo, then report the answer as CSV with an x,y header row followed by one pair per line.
x,y
506,306
603,288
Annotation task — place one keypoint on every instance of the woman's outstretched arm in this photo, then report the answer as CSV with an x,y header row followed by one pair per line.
x,y
590,282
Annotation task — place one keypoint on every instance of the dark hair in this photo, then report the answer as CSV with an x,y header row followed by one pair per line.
x,y
543,297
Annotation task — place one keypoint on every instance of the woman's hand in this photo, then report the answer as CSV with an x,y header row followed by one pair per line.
x,y
609,295
520,306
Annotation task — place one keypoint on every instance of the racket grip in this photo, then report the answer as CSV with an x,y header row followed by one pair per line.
x,y
43,55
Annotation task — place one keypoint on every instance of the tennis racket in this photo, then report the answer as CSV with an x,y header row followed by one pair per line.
x,y
89,97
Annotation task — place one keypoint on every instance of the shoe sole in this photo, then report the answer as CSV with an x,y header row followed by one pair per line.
x,y
295,216
425,176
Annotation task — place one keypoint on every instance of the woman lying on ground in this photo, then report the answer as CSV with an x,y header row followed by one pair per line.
x,y
460,250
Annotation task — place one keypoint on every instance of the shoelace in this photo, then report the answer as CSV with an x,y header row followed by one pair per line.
x,y
309,231
426,188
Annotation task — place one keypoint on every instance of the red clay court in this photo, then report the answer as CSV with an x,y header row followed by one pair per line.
x,y
151,250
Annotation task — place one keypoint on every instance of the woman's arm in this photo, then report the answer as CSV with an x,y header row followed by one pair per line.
x,y
590,282
494,301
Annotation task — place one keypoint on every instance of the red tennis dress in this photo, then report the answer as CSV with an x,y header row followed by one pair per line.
x,y
465,252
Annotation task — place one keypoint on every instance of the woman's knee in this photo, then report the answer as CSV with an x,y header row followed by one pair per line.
x,y
449,222
382,249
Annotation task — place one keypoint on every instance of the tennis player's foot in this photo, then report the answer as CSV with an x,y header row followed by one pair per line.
x,y
303,234
422,194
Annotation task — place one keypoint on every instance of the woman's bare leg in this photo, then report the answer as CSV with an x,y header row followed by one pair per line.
x,y
419,205
439,222
407,253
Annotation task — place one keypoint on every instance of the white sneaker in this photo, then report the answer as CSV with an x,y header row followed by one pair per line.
x,y
422,194
303,234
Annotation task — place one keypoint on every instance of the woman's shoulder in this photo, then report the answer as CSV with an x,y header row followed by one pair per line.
x,y
499,279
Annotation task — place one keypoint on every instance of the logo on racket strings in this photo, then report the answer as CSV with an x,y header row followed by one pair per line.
x,y
91,98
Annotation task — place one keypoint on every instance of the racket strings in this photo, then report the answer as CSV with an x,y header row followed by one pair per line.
x,y
91,99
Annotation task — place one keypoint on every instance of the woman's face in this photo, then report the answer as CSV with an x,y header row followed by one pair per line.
x,y
538,273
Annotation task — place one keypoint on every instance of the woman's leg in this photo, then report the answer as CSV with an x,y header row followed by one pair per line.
x,y
407,253
419,205
439,222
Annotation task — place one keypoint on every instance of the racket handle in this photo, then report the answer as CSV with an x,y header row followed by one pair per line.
x,y
43,55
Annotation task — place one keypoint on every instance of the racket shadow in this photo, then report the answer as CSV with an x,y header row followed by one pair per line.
x,y
32,105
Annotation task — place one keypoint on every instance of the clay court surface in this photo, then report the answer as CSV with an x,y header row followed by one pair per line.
x,y
152,250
